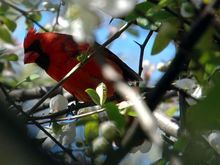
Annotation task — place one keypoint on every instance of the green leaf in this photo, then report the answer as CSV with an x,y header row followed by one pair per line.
x,y
202,44
128,111
29,23
84,120
3,9
165,35
102,93
9,57
35,15
181,144
32,77
56,127
133,32
171,111
205,114
164,3
9,23
82,57
187,9
91,131
114,115
93,95
5,35
149,15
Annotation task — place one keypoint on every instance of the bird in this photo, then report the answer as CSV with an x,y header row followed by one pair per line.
x,y
57,53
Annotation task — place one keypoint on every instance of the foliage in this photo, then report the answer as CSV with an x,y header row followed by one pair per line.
x,y
193,101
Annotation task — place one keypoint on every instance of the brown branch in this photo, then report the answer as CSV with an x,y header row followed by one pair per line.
x,y
142,48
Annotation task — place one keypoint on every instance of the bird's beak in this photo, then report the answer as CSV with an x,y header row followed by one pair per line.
x,y
30,57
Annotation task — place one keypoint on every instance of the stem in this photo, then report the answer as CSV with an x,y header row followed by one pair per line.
x,y
142,47
24,13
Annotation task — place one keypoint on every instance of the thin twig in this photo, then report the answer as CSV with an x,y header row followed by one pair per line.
x,y
73,117
49,93
36,123
24,13
58,14
63,112
142,48
117,34
32,93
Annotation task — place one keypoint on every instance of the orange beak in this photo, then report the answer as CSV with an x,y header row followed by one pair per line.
x,y
30,57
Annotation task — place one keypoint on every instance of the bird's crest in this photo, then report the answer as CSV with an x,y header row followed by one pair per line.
x,y
30,37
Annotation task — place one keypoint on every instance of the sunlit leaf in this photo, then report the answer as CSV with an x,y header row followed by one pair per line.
x,y
102,93
171,111
164,3
32,77
93,95
84,120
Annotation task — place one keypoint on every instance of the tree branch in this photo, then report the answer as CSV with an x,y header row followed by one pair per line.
x,y
33,93
24,13
142,48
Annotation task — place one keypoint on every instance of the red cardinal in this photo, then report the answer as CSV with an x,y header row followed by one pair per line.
x,y
57,54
